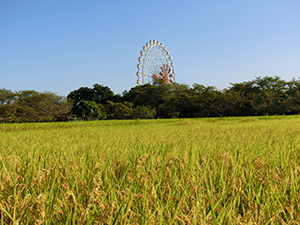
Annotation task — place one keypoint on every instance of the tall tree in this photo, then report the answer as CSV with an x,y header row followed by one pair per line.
x,y
7,96
119,110
99,94
29,104
89,110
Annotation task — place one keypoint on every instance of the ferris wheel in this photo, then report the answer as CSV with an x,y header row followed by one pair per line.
x,y
155,63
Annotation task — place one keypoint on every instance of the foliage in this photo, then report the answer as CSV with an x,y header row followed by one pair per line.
x,y
7,96
89,110
119,110
147,95
84,97
29,105
261,96
175,171
143,112
264,96
99,94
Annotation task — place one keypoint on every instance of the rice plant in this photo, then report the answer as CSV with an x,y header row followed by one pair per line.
x,y
176,171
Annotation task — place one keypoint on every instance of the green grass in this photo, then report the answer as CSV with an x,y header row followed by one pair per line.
x,y
177,171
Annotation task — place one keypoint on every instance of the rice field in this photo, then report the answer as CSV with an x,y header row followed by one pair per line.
x,y
175,171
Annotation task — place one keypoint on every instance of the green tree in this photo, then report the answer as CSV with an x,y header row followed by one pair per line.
x,y
7,96
175,101
118,110
241,99
146,95
143,112
35,104
102,94
32,104
293,97
99,94
89,110
273,95
206,101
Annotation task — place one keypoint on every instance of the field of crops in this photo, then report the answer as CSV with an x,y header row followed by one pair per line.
x,y
176,171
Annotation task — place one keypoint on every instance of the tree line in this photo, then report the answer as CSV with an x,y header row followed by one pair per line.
x,y
261,96
32,106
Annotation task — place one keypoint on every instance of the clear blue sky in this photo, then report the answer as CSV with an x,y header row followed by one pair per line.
x,y
60,46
